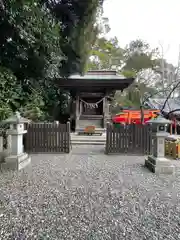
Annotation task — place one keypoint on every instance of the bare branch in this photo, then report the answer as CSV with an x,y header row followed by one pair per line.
x,y
159,91
175,87
175,110
169,95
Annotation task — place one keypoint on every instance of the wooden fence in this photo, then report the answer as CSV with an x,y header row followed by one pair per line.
x,y
47,138
131,139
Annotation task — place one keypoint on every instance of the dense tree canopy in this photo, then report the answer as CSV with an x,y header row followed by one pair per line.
x,y
40,40
77,31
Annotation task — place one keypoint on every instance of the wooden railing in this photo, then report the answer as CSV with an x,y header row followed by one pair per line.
x,y
47,137
131,139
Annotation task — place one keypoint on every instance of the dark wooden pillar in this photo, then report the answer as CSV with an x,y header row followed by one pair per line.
x,y
77,113
105,111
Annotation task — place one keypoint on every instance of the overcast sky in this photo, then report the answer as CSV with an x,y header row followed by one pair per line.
x,y
151,20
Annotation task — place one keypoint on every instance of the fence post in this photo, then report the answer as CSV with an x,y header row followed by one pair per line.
x,y
107,137
68,137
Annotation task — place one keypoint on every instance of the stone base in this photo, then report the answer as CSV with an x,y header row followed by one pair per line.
x,y
159,165
13,162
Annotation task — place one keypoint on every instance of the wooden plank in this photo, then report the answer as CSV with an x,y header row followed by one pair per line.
x,y
42,136
68,147
35,135
121,135
138,138
119,140
57,132
133,138
150,139
38,139
110,139
130,148
31,138
144,139
60,139
54,143
129,139
107,139
126,140
33,144
147,140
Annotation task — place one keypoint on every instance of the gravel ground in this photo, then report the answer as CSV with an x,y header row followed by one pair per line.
x,y
88,195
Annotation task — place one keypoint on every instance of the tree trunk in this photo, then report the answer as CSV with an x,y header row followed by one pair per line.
x,y
142,114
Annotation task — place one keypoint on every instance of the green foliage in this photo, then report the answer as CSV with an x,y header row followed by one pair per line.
x,y
9,93
77,32
33,113
5,112
33,109
28,39
138,62
105,54
8,88
41,40
138,56
132,62
129,74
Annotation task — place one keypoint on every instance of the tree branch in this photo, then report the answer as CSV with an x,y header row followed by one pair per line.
x,y
176,76
175,110
153,94
169,95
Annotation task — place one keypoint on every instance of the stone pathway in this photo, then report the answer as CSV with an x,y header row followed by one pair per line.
x,y
88,195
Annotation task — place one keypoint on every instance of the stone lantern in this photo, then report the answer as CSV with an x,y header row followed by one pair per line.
x,y
157,162
17,158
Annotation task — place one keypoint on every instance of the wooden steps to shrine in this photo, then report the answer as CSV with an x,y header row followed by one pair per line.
x,y
88,140
98,131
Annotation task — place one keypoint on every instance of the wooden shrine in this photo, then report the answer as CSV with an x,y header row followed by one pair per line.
x,y
91,96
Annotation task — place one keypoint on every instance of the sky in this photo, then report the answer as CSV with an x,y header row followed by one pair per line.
x,y
155,21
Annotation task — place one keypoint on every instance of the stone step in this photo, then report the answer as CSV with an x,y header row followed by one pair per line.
x,y
88,143
88,139
98,142
97,130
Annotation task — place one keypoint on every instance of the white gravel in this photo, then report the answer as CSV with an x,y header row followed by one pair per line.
x,y
88,195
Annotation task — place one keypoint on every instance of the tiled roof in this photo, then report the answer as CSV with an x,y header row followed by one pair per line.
x,y
172,104
98,75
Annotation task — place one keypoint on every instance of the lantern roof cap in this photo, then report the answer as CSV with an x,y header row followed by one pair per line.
x,y
159,120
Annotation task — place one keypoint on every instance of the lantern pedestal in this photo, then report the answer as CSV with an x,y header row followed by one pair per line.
x,y
16,162
159,165
157,162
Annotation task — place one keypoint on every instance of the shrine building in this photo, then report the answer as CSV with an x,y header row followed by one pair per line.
x,y
91,96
